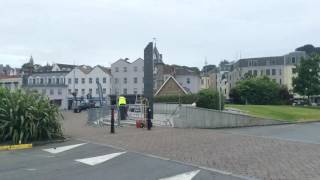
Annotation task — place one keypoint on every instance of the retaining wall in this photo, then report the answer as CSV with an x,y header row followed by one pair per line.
x,y
193,117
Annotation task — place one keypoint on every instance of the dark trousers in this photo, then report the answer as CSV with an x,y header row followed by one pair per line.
x,y
122,110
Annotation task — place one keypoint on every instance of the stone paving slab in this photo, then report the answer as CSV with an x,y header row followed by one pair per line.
x,y
258,157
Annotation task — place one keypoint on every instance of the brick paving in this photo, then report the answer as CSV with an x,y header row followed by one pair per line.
x,y
258,157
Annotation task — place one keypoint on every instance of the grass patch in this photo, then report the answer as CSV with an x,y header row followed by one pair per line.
x,y
287,113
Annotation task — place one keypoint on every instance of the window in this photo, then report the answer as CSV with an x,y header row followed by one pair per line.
x,y
293,60
76,80
124,69
280,72
90,80
255,72
250,63
125,80
76,91
83,92
104,91
202,81
97,91
268,72
273,72
51,91
261,72
59,91
33,81
135,91
49,80
69,90
83,80
104,80
38,81
280,81
69,80
135,69
125,91
90,91
250,72
97,80
116,80
117,69
41,81
135,80
188,80
58,81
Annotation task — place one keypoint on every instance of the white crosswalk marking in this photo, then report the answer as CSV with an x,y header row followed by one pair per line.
x,y
99,159
62,148
184,176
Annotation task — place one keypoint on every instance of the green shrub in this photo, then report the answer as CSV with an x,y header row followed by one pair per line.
x,y
27,116
209,98
184,99
260,91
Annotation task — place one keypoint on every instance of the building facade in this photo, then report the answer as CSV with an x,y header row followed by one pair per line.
x,y
280,69
127,77
50,84
11,82
83,81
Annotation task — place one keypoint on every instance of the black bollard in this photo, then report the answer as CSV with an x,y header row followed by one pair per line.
x,y
112,121
149,123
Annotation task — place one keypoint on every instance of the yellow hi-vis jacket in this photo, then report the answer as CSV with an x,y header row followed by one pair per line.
x,y
122,101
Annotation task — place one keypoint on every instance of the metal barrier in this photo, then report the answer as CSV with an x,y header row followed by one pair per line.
x,y
102,116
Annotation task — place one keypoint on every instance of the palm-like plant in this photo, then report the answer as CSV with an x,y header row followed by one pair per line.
x,y
27,116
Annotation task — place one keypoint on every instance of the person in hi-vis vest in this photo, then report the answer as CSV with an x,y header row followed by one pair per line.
x,y
122,107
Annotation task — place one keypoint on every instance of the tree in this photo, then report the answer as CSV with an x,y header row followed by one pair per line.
x,y
208,98
256,90
309,49
307,83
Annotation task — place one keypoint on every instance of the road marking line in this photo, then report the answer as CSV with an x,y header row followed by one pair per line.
x,y
184,176
57,150
99,159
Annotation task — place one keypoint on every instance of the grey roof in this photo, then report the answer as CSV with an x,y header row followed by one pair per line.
x,y
61,66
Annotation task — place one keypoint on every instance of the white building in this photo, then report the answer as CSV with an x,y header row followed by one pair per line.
x,y
83,80
11,82
51,84
280,69
128,78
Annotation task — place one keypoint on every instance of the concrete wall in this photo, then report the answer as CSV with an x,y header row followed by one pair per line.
x,y
193,117
164,108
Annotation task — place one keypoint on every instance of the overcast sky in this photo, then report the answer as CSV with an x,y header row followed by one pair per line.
x,y
102,31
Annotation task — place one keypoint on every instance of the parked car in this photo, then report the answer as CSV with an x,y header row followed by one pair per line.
x,y
82,106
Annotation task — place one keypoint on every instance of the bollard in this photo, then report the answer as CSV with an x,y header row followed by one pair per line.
x,y
149,123
112,121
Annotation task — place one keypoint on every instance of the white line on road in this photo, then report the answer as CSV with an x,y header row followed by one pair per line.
x,y
62,148
184,176
99,159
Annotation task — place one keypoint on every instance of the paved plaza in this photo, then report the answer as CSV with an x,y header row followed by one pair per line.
x,y
242,152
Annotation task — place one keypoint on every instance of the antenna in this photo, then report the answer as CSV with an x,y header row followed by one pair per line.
x,y
205,65
154,41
